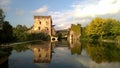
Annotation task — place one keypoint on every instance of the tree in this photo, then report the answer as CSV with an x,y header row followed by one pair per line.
x,y
116,28
59,36
6,31
100,28
20,33
95,28
2,16
111,28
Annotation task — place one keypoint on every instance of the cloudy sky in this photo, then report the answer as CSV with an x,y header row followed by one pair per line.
x,y
63,12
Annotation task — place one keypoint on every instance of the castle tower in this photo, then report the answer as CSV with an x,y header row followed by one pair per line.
x,y
42,24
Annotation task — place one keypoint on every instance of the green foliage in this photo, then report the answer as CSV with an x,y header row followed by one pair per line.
x,y
6,33
111,28
2,16
94,29
76,28
39,36
59,36
62,34
20,34
100,28
117,38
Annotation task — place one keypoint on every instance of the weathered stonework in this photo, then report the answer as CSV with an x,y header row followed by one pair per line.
x,y
42,24
74,32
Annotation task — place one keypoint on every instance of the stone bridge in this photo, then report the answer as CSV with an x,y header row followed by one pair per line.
x,y
54,39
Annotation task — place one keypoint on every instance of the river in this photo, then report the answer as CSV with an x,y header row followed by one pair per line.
x,y
61,55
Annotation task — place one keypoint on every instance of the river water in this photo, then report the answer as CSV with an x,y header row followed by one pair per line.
x,y
61,55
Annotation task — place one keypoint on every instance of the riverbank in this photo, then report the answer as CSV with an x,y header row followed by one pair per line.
x,y
16,43
103,40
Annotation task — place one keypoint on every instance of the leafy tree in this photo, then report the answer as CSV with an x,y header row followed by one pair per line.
x,y
59,36
103,28
94,29
6,31
20,33
76,29
111,28
2,16
116,28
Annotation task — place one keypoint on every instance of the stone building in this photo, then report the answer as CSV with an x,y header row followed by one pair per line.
x,y
42,24
74,32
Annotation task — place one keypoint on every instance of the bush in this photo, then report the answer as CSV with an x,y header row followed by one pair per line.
x,y
39,36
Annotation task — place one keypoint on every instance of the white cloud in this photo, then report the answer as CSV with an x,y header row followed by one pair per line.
x,y
41,10
62,20
4,4
83,12
99,7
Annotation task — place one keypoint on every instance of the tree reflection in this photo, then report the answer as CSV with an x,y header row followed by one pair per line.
x,y
103,52
42,52
21,47
75,47
4,54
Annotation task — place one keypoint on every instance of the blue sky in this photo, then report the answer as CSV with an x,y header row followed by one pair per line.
x,y
63,12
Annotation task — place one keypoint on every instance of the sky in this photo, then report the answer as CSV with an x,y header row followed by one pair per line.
x,y
63,12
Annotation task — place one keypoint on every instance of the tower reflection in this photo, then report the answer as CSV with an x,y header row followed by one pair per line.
x,y
42,52
75,47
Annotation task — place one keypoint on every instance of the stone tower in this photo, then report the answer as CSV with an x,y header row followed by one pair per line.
x,y
42,24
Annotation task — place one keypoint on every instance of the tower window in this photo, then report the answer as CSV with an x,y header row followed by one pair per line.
x,y
46,23
39,28
40,22
47,28
39,55
46,55
38,50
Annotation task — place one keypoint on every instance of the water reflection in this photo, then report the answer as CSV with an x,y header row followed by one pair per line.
x,y
103,52
75,47
4,54
62,55
42,52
